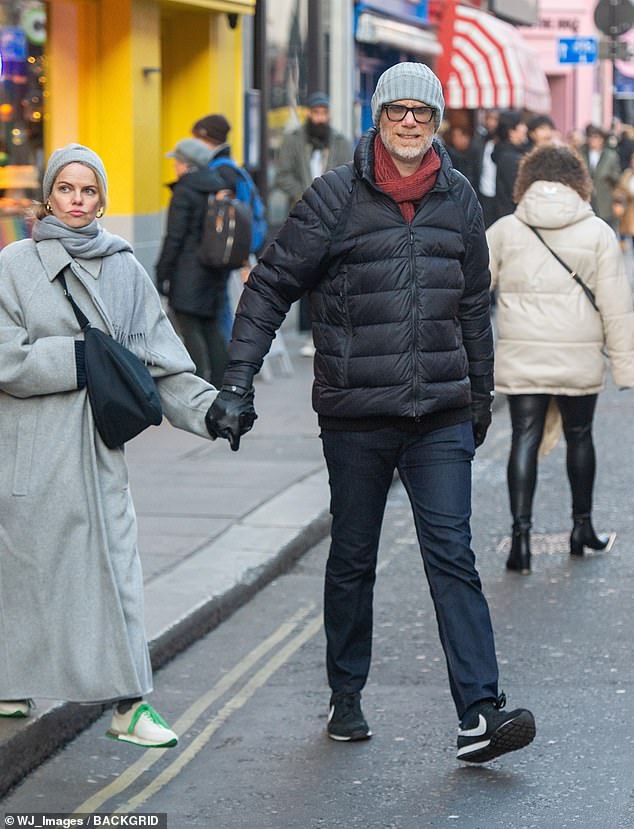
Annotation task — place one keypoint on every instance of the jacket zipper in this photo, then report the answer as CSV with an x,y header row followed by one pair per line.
x,y
348,325
412,268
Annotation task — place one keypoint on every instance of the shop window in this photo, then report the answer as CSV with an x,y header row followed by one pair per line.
x,y
22,100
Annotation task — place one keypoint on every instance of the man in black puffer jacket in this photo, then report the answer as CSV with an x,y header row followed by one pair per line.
x,y
392,252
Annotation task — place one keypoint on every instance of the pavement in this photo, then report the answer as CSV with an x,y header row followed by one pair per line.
x,y
214,527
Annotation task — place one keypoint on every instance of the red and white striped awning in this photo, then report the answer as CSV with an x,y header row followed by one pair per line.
x,y
491,66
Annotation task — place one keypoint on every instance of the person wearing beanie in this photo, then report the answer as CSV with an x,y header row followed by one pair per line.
x,y
391,251
211,131
72,623
305,153
310,150
196,292
193,154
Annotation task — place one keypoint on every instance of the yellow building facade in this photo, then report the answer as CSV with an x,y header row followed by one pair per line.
x,y
128,78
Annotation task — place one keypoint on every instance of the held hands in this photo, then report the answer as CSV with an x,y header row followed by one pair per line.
x,y
231,415
480,415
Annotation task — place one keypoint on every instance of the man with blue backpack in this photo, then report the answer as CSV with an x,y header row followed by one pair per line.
x,y
212,130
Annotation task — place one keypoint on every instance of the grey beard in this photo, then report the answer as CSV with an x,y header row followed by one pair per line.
x,y
406,154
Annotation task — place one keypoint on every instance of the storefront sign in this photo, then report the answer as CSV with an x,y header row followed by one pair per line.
x,y
414,11
559,24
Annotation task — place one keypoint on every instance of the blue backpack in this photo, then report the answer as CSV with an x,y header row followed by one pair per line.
x,y
247,192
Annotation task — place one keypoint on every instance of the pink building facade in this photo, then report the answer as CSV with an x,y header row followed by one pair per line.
x,y
580,94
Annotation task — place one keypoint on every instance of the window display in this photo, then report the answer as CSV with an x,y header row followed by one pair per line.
x,y
22,97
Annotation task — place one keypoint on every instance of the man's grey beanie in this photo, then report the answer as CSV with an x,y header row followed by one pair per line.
x,y
408,82
67,155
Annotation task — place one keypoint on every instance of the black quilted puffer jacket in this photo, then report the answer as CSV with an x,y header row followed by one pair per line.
x,y
400,310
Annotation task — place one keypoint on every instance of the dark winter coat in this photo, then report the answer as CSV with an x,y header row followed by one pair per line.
x,y
507,158
400,310
192,287
467,161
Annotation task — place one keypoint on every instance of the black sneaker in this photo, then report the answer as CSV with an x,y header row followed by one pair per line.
x,y
486,731
346,720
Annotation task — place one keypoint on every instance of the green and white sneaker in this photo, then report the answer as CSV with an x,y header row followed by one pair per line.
x,y
16,708
143,726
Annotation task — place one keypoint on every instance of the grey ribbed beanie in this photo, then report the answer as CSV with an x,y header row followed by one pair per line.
x,y
67,155
192,152
408,82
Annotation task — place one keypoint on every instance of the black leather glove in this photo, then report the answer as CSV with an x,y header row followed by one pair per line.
x,y
231,415
480,415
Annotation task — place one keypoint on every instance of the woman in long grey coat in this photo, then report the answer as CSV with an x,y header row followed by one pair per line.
x,y
71,588
551,337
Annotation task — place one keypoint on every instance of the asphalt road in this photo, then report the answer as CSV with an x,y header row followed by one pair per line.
x,y
250,700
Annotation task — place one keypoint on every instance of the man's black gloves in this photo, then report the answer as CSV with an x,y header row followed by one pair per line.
x,y
231,415
481,403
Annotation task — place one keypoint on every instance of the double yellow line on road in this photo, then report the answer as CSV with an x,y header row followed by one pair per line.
x,y
309,628
152,756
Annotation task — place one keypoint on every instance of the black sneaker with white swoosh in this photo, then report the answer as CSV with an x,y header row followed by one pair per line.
x,y
486,731
345,720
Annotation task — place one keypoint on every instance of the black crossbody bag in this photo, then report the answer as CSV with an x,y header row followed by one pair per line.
x,y
122,393
587,291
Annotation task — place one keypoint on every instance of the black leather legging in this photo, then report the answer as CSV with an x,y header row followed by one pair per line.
x,y
528,414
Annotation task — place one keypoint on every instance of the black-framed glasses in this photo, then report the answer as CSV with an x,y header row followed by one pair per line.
x,y
397,112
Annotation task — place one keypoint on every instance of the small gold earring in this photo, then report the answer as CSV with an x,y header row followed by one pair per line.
x,y
49,209
100,213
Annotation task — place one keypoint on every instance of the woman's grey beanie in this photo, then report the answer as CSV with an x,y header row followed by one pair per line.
x,y
67,155
408,82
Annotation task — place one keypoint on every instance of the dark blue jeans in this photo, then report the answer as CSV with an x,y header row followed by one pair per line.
x,y
435,469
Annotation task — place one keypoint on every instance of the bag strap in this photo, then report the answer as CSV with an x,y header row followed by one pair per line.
x,y
82,319
587,291
246,177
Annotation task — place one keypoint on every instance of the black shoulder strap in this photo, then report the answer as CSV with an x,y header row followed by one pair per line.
x,y
587,291
82,319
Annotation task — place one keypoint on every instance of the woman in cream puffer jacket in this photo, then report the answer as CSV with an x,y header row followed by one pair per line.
x,y
551,341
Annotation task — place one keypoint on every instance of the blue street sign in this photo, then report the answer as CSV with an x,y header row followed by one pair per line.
x,y
577,50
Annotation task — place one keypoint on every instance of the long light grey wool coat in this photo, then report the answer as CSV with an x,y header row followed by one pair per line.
x,y
71,588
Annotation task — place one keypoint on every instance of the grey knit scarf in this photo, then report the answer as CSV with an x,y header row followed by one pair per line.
x,y
119,288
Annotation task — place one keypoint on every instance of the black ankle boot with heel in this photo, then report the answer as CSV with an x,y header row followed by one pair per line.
x,y
583,535
519,559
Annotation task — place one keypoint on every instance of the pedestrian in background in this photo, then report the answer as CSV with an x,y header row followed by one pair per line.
x,y
623,207
575,139
196,292
506,155
306,153
550,336
392,252
487,137
464,153
622,141
71,587
213,130
605,171
541,131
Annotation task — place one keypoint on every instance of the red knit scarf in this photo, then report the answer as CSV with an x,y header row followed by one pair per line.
x,y
406,191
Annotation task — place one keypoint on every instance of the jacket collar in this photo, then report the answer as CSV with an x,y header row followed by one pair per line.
x,y
55,258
